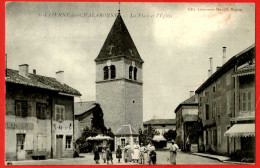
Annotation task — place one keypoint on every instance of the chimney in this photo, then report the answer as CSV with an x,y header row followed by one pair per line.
x,y
60,76
24,70
224,55
209,73
211,65
192,93
218,67
34,71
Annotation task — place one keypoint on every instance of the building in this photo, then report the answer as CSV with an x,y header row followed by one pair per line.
x,y
242,130
119,80
39,115
83,112
126,134
223,102
186,116
161,126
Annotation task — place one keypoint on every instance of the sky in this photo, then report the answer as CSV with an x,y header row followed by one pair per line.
x,y
175,40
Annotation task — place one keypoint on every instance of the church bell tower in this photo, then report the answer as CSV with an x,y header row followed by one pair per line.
x,y
119,79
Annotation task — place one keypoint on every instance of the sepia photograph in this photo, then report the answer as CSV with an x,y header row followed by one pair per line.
x,y
120,83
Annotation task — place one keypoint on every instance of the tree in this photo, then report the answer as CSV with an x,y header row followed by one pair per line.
x,y
194,132
147,135
170,135
97,127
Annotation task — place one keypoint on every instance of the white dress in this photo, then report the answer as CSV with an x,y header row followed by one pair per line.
x,y
136,152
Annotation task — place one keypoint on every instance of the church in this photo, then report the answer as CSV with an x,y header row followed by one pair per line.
x,y
119,79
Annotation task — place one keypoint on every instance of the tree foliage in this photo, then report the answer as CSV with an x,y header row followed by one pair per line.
x,y
194,131
147,135
97,127
170,135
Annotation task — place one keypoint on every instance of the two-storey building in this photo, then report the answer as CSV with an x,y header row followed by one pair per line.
x,y
39,115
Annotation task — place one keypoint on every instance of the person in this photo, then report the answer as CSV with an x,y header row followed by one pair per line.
x,y
109,155
142,154
173,152
118,153
104,154
136,152
148,153
96,154
128,153
152,154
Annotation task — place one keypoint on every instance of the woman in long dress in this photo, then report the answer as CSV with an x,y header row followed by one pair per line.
x,y
173,152
136,152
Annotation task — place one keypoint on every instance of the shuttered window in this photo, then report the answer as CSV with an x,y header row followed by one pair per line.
x,y
21,108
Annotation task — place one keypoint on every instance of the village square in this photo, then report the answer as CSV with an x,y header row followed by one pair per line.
x,y
48,123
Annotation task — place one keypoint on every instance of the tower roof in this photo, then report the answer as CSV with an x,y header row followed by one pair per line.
x,y
119,43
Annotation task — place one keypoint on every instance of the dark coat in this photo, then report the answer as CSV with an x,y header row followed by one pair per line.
x,y
96,155
119,153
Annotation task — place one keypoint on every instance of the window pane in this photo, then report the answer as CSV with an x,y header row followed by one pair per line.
x,y
244,106
249,96
249,106
244,96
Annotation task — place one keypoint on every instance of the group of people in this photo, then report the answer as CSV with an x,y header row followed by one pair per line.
x,y
106,155
137,154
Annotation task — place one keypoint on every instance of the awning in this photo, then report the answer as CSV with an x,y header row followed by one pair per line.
x,y
158,138
241,130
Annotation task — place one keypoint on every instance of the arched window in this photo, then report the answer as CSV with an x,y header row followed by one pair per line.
x,y
130,72
105,73
135,73
113,71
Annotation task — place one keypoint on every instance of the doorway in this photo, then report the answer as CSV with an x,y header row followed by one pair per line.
x,y
20,146
59,146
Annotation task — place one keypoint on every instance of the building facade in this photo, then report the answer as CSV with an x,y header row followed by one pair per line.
x,y
219,98
119,80
242,130
39,115
186,116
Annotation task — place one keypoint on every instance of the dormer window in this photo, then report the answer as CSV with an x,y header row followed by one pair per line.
x,y
113,71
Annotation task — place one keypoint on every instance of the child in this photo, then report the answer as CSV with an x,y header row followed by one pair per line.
x,y
109,155
104,154
118,153
96,155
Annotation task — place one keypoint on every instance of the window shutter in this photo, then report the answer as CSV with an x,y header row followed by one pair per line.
x,y
24,109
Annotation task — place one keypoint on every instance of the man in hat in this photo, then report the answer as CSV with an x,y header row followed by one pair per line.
x,y
173,152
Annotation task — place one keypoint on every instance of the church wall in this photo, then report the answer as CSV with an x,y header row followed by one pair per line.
x,y
134,104
110,96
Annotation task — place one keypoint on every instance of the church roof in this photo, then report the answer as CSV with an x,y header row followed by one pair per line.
x,y
119,43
